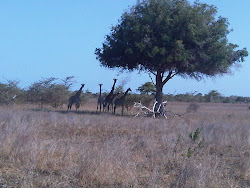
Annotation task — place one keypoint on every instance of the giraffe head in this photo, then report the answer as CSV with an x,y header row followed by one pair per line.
x,y
81,87
129,89
115,79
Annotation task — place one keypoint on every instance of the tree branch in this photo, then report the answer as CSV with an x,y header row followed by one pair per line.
x,y
152,72
170,76
151,78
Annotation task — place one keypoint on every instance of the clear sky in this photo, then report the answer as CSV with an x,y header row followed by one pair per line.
x,y
57,38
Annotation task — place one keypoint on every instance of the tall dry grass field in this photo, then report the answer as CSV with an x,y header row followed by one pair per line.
x,y
209,148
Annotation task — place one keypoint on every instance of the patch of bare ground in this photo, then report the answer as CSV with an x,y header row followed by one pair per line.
x,y
209,148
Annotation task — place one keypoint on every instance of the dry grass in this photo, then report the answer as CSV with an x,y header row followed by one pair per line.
x,y
58,149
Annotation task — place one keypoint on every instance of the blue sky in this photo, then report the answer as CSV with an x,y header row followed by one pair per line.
x,y
42,39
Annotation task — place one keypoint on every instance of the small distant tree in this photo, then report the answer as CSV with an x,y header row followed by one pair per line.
x,y
10,92
213,96
86,96
68,81
56,95
147,88
119,88
37,91
199,97
192,107
241,100
47,91
168,38
122,83
130,99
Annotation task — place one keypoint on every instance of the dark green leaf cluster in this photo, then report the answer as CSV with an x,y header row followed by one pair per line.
x,y
171,36
195,135
147,88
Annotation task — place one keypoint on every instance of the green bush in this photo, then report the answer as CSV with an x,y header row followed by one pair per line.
x,y
11,93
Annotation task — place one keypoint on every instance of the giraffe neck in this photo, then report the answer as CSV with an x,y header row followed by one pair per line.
x,y
100,90
113,87
79,91
125,94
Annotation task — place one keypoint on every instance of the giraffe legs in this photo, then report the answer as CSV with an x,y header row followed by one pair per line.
x,y
77,104
122,109
69,106
100,107
77,107
110,105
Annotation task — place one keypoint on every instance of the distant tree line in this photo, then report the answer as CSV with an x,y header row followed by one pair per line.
x,y
56,92
212,97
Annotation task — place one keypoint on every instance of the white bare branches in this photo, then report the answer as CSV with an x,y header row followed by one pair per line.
x,y
145,111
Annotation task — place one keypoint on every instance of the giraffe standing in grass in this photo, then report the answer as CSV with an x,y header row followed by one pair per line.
x,y
100,99
110,97
78,104
120,101
75,99
113,100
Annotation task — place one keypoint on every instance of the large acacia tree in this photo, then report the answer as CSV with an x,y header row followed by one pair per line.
x,y
169,38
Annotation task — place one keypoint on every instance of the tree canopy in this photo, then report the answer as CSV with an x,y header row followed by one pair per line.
x,y
168,38
147,88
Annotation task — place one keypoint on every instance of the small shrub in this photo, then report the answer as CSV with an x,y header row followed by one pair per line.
x,y
197,144
193,107
195,135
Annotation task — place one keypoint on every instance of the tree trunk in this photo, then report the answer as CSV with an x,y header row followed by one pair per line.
x,y
159,95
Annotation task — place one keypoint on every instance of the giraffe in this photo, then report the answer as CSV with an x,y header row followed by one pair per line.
x,y
113,100
100,99
75,99
120,101
78,103
110,97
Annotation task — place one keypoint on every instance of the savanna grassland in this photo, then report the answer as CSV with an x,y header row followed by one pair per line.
x,y
48,148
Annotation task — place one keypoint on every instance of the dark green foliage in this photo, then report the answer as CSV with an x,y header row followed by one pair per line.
x,y
189,147
197,143
164,35
147,88
195,135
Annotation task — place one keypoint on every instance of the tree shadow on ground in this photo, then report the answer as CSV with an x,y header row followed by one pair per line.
x,y
81,112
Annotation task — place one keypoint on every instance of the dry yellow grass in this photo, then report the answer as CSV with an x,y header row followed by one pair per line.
x,y
60,149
